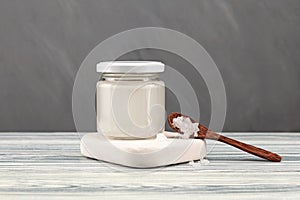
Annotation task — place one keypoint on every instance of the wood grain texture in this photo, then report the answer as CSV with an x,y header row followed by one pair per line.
x,y
270,156
49,165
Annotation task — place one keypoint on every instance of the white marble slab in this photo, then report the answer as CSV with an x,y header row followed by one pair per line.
x,y
49,165
158,152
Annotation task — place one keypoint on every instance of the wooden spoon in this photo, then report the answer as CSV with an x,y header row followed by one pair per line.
x,y
204,133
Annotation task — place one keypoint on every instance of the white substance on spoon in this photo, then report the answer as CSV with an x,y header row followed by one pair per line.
x,y
186,126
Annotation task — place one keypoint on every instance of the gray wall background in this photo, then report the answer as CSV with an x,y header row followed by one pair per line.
x,y
255,44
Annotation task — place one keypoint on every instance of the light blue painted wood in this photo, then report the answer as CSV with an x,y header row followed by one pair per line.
x,y
49,165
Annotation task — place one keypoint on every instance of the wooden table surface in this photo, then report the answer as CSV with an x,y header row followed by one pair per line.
x,y
49,165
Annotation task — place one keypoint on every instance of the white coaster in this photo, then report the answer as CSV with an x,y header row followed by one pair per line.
x,y
143,153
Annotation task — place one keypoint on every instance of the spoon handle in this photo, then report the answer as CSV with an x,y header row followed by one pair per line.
x,y
245,147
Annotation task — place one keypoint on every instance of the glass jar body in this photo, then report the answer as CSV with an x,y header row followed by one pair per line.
x,y
130,106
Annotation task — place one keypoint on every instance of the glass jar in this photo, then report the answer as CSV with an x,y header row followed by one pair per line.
x,y
130,99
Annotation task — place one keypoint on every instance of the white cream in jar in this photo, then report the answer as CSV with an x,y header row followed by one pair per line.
x,y
130,99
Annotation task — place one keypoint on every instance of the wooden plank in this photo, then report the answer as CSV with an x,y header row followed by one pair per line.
x,y
43,166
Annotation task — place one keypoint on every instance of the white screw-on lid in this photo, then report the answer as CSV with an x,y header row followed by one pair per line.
x,y
130,67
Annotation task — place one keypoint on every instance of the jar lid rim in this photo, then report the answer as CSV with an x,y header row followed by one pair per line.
x,y
130,67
